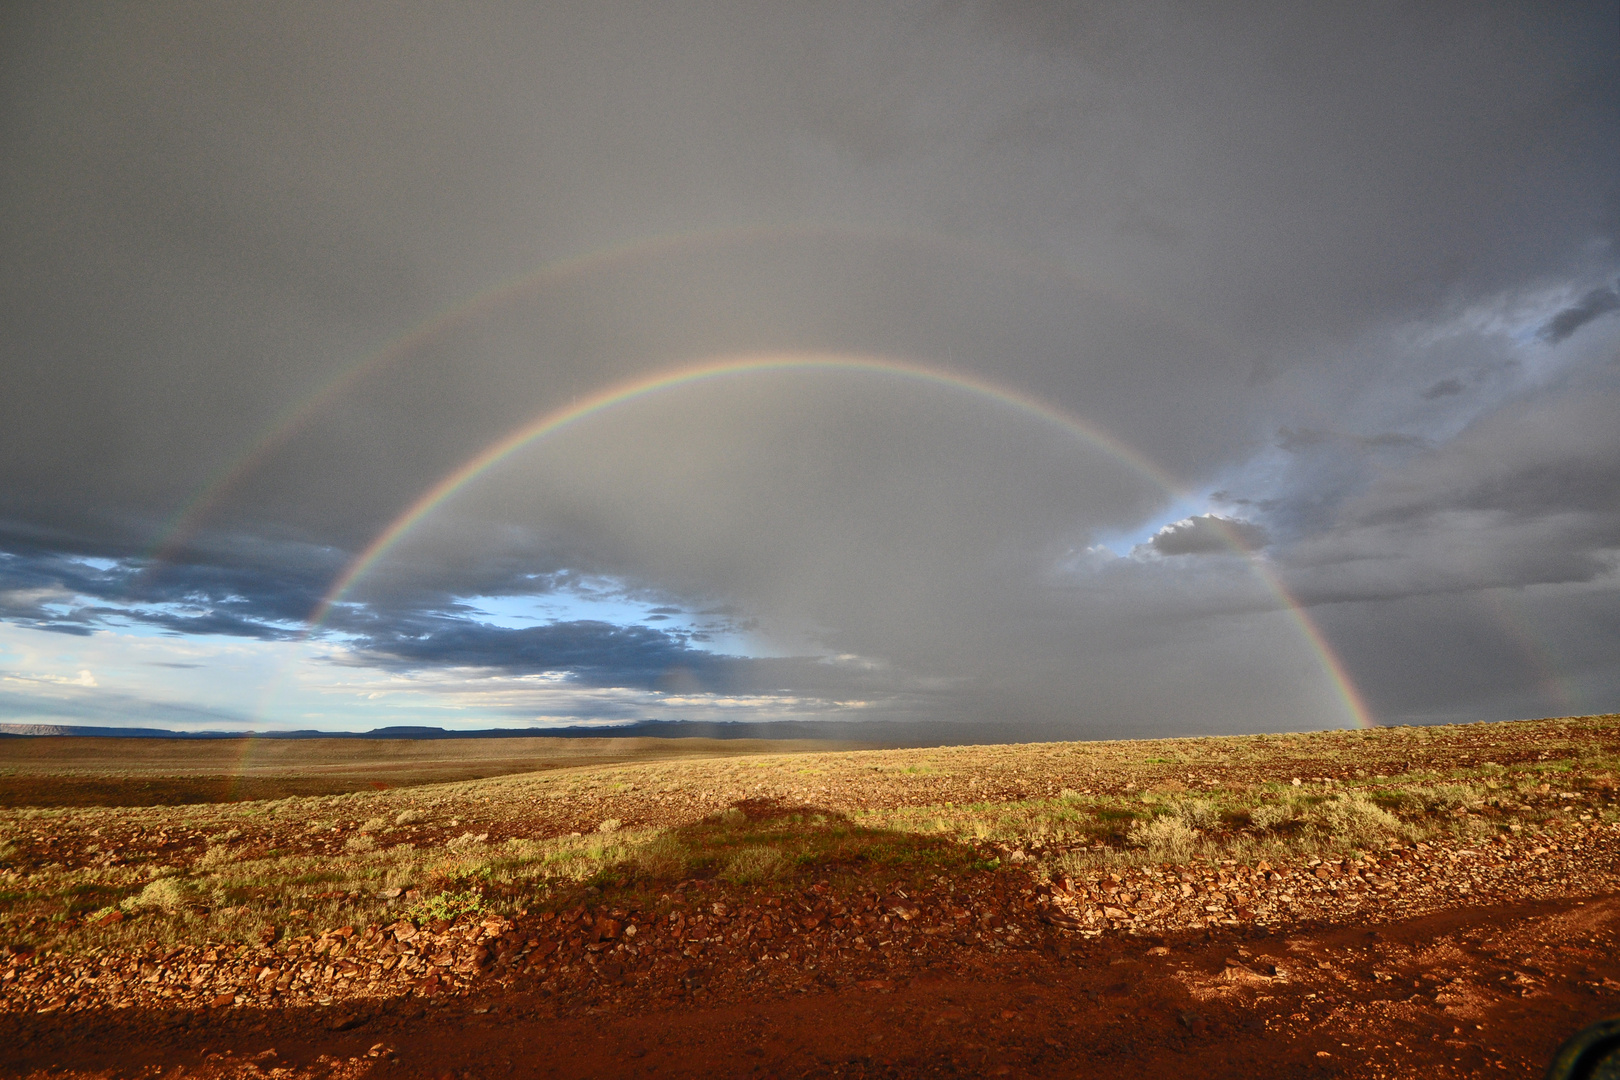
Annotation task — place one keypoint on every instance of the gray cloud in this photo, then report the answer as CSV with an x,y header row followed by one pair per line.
x,y
1207,534
1529,495
1593,305
1443,388
1550,455
1179,230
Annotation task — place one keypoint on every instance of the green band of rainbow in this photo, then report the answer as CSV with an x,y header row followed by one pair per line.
x,y
556,420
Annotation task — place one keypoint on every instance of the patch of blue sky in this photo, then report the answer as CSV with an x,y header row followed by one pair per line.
x,y
614,606
564,606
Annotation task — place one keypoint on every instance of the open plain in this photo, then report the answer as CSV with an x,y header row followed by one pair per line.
x,y
1390,902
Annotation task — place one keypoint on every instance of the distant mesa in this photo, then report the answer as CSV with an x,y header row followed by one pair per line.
x,y
871,733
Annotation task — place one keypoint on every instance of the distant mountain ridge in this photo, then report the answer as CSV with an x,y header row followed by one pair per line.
x,y
884,733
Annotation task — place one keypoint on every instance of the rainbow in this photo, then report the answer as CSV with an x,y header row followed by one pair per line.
x,y
185,522
604,401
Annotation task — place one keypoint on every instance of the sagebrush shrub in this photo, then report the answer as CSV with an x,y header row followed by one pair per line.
x,y
1197,813
1354,819
1270,815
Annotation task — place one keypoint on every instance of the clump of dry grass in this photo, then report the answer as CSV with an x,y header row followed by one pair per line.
x,y
1165,839
752,865
663,858
166,894
216,856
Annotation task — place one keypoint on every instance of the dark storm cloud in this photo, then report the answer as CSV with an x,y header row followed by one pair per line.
x,y
1443,388
211,216
1208,534
599,654
1594,305
596,653
1294,441
1536,459
57,590
1303,439
1186,228
1529,495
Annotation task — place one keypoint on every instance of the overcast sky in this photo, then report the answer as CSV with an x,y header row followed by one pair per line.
x,y
1097,369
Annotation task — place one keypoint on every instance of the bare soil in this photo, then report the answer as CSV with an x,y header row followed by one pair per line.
x,y
1475,951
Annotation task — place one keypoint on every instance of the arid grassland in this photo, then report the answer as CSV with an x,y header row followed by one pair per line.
x,y
172,772
1329,903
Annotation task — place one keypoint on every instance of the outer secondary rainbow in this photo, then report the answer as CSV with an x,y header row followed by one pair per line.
x,y
189,518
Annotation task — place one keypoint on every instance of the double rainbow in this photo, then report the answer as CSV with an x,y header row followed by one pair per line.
x,y
281,431
534,282
554,421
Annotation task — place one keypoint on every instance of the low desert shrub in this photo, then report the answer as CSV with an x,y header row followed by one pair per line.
x,y
446,906
1197,814
1270,815
664,858
408,817
165,894
1166,838
753,864
216,856
1354,820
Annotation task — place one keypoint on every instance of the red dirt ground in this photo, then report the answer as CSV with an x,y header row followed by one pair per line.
x,y
1470,955
1488,990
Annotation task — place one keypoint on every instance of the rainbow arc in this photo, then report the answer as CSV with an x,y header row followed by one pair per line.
x,y
717,370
